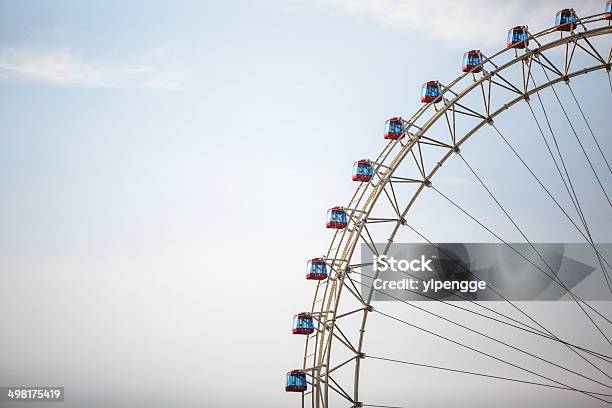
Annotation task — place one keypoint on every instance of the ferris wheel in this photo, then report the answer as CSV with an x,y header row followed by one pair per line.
x,y
416,149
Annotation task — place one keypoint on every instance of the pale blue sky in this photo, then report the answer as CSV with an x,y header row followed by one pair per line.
x,y
165,168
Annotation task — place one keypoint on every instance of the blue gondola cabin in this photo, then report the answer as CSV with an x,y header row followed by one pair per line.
x,y
608,15
394,129
430,92
316,269
566,20
296,381
362,171
336,218
517,37
472,61
302,324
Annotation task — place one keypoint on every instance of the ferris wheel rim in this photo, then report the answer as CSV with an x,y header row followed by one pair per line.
x,y
338,243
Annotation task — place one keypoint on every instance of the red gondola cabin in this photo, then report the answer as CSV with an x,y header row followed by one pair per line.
x,y
608,15
302,324
566,20
472,61
394,129
430,92
336,218
316,269
296,381
362,171
517,37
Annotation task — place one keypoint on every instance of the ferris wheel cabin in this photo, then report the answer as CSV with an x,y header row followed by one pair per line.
x,y
336,218
566,20
430,92
316,269
517,37
472,61
302,324
608,15
296,381
394,129
362,171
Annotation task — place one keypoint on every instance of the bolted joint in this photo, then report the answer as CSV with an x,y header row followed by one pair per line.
x,y
427,183
608,67
526,96
361,355
566,79
357,404
369,308
490,119
403,221
456,149
347,270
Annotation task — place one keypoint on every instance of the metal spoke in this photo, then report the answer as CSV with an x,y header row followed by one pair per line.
x,y
603,156
417,147
578,140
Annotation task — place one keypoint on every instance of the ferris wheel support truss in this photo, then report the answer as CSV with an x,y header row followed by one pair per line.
x,y
326,302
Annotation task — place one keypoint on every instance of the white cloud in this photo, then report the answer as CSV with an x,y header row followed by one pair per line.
x,y
67,68
467,23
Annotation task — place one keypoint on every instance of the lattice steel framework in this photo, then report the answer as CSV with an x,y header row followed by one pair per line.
x,y
408,154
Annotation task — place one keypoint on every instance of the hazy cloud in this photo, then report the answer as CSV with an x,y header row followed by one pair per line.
x,y
469,23
66,67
